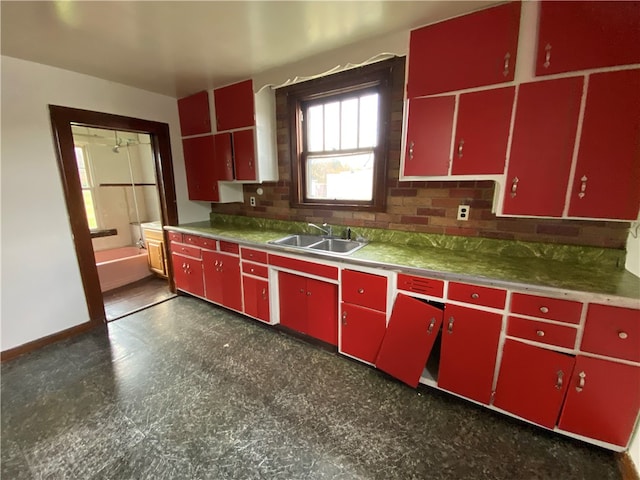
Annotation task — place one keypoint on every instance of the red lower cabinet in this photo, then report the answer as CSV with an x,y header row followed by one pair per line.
x,y
187,273
602,402
256,298
309,306
222,279
411,333
532,382
469,349
362,330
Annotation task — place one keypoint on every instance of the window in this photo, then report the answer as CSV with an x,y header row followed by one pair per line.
x,y
87,192
338,138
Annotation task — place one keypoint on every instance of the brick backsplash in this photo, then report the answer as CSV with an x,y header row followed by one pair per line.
x,y
425,206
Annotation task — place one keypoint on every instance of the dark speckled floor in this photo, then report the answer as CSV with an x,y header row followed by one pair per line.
x,y
184,390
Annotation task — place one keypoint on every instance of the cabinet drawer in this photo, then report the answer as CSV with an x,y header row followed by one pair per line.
x,y
542,332
364,289
425,286
544,307
153,235
253,255
255,269
229,247
612,331
486,296
190,239
183,249
208,243
303,266
175,237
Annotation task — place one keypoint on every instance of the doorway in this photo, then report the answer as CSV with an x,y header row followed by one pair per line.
x,y
64,120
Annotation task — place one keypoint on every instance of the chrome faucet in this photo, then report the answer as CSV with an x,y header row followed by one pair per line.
x,y
328,231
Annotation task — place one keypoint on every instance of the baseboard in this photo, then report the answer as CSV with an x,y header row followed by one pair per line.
x,y
626,466
49,339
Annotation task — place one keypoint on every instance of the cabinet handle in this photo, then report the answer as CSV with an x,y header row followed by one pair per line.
x,y
580,386
547,56
308,294
184,265
507,58
411,145
622,335
583,186
540,333
544,309
215,264
460,147
302,290
252,270
432,323
344,318
361,290
475,296
559,374
514,186
450,326
264,293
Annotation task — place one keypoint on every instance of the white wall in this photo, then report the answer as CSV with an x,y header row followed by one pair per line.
x,y
41,288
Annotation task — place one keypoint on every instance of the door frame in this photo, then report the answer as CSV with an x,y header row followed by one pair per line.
x,y
61,120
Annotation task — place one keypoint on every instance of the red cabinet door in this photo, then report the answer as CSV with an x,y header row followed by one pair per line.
x,y
234,106
256,297
293,301
212,271
322,311
429,131
469,349
612,332
608,168
187,273
195,117
231,287
199,162
532,382
244,155
364,289
361,331
464,52
482,131
602,402
411,333
224,156
587,34
542,147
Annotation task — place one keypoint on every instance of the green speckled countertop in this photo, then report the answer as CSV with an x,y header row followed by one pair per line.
x,y
525,265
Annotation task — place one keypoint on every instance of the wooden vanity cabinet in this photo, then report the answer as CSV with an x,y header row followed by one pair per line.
x,y
156,256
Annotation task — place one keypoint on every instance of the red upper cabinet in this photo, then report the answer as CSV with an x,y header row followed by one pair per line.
x,y
587,34
607,174
428,138
234,106
542,147
482,131
195,117
244,153
464,52
199,162
224,156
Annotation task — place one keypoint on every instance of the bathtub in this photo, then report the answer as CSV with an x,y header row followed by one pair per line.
x,y
121,266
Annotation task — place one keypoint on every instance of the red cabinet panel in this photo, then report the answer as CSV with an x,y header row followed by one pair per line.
x,y
326,271
256,298
255,269
428,140
322,311
482,131
364,289
187,273
469,349
485,296
224,156
195,117
532,382
229,247
542,147
612,331
542,332
253,255
183,249
412,330
361,331
544,307
607,176
581,35
467,51
222,279
213,279
234,106
293,301
602,400
175,237
425,286
244,155
199,162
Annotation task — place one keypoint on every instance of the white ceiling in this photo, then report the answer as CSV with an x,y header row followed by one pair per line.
x,y
179,48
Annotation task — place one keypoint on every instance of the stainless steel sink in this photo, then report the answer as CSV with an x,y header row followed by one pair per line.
x,y
319,243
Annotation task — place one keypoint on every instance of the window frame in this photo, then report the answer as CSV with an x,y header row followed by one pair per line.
x,y
378,76
91,188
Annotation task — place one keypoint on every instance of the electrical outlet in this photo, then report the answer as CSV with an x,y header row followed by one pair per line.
x,y
252,201
463,212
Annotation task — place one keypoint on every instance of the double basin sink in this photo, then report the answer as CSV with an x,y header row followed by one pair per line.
x,y
319,243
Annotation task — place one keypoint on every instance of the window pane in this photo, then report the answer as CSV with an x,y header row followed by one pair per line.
x,y
340,177
82,169
315,129
368,121
332,126
349,123
89,208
